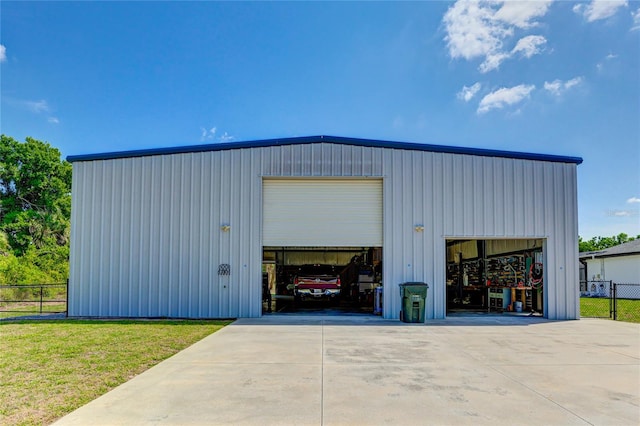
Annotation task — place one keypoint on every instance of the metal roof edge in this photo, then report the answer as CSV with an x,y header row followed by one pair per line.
x,y
604,255
326,139
625,249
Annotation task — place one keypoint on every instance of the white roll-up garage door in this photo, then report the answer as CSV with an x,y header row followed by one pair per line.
x,y
322,212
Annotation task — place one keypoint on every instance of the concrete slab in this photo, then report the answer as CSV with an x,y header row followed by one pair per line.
x,y
364,394
281,370
612,397
239,344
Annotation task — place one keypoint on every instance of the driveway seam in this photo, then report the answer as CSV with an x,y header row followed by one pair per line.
x,y
539,394
635,358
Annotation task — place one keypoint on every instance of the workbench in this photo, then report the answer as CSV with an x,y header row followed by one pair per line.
x,y
500,297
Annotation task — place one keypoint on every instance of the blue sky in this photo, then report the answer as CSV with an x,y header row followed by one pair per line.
x,y
548,77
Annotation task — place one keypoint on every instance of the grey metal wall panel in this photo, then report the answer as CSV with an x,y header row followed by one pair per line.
x,y
477,197
146,237
320,160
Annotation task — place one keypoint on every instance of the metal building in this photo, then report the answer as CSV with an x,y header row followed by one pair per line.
x,y
181,232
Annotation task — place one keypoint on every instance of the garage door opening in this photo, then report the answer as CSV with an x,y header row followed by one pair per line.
x,y
322,244
503,276
325,280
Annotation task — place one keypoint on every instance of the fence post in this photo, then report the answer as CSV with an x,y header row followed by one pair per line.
x,y
41,291
610,300
615,300
66,303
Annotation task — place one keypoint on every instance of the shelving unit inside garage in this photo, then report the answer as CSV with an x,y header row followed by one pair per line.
x,y
495,275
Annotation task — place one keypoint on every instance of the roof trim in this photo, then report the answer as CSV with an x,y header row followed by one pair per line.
x,y
630,248
602,255
326,139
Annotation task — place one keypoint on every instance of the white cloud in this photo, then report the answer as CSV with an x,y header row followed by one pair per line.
x,y
503,97
207,134
623,213
472,30
573,82
633,200
529,45
226,137
210,135
636,20
467,93
558,87
36,106
610,57
599,9
493,61
521,13
3,53
479,29
554,87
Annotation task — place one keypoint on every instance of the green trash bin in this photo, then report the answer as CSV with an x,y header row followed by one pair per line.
x,y
413,296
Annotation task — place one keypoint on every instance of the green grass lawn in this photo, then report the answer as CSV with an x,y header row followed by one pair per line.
x,y
50,368
33,308
628,310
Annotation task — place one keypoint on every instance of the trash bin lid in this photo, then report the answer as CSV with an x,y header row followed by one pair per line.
x,y
411,288
419,284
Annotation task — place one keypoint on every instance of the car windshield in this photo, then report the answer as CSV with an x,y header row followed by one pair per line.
x,y
317,270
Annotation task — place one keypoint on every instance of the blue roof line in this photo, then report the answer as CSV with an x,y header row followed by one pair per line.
x,y
326,139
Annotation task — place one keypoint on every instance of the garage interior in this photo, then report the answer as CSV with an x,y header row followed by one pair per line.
x,y
357,270
503,276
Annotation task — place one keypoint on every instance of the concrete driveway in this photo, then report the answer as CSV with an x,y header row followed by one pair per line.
x,y
294,370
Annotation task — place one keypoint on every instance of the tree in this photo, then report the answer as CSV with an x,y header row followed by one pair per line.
x,y
35,186
35,210
601,243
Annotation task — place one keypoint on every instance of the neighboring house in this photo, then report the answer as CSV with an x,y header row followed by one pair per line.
x,y
620,264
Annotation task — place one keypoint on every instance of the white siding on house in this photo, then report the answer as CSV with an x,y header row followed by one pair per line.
x,y
620,269
146,237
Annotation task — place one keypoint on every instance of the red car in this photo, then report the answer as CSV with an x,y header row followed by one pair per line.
x,y
316,282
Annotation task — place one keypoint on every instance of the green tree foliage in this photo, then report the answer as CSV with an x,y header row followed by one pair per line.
x,y
601,243
35,209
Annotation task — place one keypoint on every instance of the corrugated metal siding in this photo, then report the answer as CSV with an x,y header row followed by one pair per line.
x,y
146,238
459,196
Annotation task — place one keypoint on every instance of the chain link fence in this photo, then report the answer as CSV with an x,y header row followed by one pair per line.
x,y
626,302
24,299
595,299
607,299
